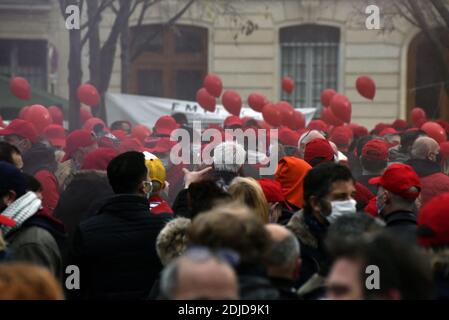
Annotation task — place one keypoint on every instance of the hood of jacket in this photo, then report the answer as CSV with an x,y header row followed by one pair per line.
x,y
424,167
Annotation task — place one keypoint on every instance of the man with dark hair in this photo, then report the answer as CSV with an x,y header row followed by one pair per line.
x,y
329,189
398,189
401,153
397,271
116,249
11,154
373,161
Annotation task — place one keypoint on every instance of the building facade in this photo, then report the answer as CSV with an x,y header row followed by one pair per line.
x,y
320,44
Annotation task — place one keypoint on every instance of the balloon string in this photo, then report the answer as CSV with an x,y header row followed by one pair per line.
x,y
429,86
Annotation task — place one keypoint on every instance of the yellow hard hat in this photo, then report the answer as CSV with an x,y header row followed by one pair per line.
x,y
156,169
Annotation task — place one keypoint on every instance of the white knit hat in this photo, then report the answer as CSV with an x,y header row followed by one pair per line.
x,y
229,156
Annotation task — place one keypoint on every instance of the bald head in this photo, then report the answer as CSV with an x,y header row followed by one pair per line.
x,y
283,259
306,138
192,279
425,148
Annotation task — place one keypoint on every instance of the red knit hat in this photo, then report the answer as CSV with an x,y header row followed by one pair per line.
x,y
272,190
318,148
433,222
99,159
444,150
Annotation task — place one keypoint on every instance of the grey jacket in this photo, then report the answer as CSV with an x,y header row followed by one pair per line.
x,y
36,245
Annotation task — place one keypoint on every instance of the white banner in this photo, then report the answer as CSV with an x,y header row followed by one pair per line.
x,y
146,110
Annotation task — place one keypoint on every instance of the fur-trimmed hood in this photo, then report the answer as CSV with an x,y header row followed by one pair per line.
x,y
301,230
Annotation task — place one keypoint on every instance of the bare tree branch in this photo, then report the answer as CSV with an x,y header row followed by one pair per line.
x,y
97,16
443,10
168,24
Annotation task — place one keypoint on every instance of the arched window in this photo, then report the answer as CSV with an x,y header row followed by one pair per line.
x,y
310,55
425,79
172,64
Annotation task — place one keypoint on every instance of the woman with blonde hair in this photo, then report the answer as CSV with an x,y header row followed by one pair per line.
x,y
249,192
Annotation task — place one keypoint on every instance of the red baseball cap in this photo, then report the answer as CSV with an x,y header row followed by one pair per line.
x,y
400,124
120,134
5,221
163,145
55,134
288,137
388,131
359,131
99,159
399,178
233,121
21,128
318,148
375,149
433,222
76,140
341,136
165,125
317,124
379,127
131,144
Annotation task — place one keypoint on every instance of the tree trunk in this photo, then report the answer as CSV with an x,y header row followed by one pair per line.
x,y
107,53
75,78
94,42
125,60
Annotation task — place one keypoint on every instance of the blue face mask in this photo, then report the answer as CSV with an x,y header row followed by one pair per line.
x,y
380,205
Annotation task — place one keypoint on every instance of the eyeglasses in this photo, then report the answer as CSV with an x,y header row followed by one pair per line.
x,y
199,253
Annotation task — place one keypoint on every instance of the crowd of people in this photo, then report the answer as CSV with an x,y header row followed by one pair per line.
x,y
345,204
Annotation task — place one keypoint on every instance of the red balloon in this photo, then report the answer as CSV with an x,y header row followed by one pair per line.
x,y
39,116
272,115
23,112
85,114
328,116
435,131
286,112
341,107
319,125
140,132
56,115
297,121
205,100
88,94
257,101
232,102
417,114
326,96
20,88
213,85
366,87
288,84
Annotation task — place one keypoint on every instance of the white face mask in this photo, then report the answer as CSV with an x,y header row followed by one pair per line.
x,y
341,208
